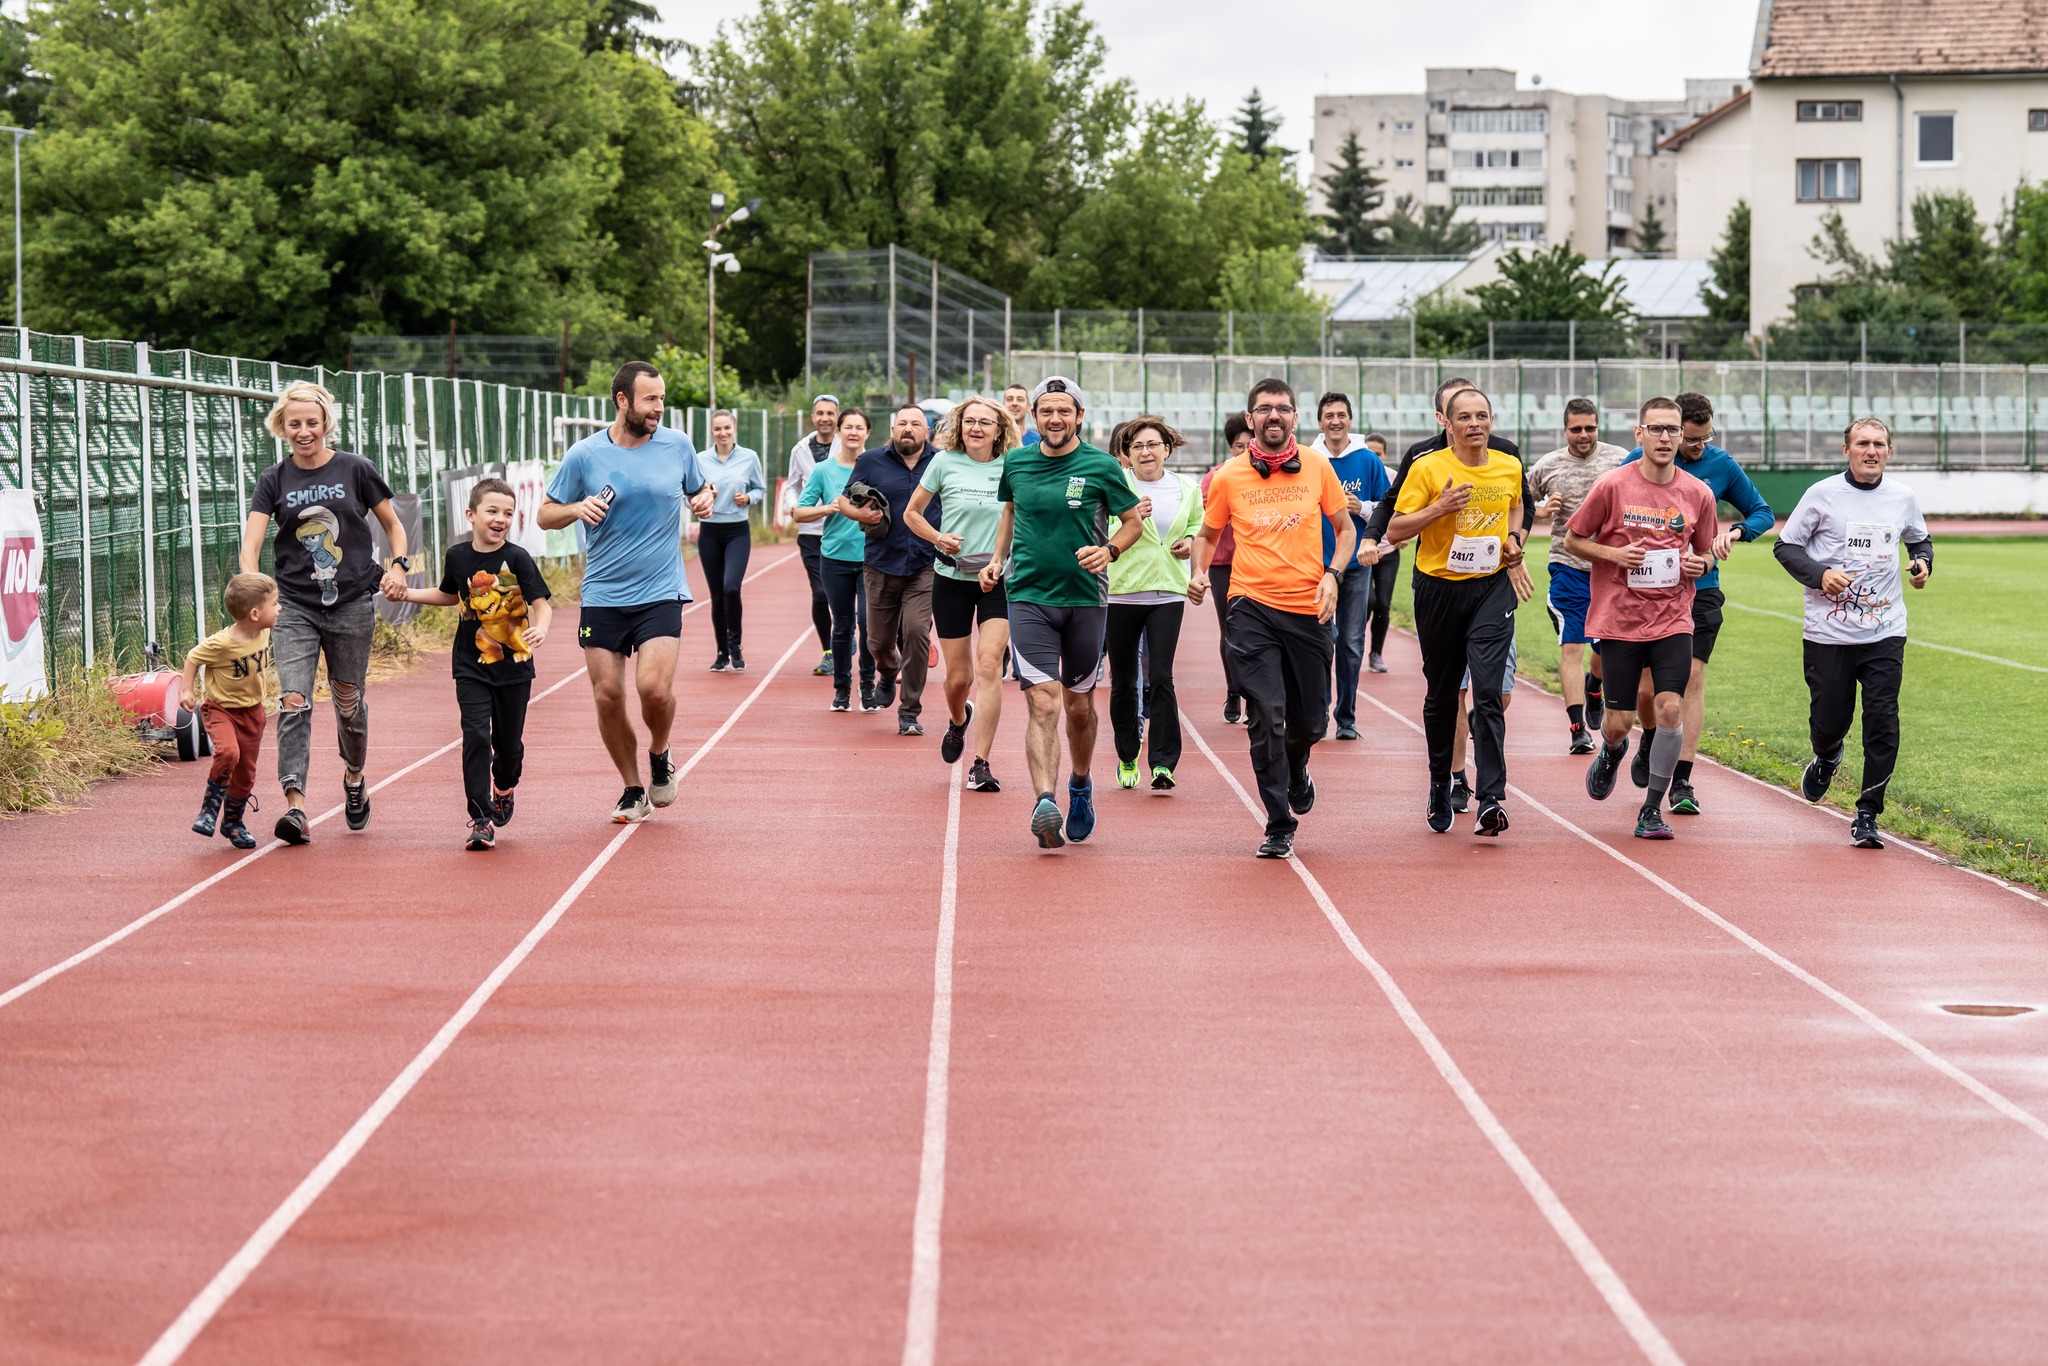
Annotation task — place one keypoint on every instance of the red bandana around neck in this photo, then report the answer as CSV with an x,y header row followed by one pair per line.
x,y
1273,461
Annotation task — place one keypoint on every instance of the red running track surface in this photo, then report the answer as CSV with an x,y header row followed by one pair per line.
x,y
830,1063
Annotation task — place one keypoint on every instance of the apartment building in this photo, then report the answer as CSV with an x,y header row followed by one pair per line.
x,y
1531,166
1857,107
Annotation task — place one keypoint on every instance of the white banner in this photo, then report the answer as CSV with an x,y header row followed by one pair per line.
x,y
22,675
528,479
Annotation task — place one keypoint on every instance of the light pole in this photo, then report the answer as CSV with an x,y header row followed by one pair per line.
x,y
714,258
19,134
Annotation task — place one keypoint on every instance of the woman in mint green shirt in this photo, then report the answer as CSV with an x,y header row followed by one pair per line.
x,y
963,481
1148,587
842,560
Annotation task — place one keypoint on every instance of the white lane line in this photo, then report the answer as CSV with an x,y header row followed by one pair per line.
x,y
1910,640
1997,1101
230,1278
1606,1280
91,951
921,1334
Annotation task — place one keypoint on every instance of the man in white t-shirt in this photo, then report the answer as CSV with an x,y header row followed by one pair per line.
x,y
1842,542
806,455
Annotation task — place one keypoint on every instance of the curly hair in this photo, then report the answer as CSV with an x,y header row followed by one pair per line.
x,y
1007,435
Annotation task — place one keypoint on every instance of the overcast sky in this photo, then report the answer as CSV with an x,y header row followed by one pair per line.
x,y
1296,49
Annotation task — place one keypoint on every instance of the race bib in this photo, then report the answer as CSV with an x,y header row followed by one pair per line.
x,y
1870,542
1473,554
1659,569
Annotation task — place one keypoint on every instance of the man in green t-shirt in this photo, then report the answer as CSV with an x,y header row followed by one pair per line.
x,y
1058,497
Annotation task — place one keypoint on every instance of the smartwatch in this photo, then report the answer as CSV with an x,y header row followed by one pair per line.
x,y
402,562
1114,553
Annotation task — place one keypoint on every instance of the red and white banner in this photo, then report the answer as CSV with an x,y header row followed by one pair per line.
x,y
22,675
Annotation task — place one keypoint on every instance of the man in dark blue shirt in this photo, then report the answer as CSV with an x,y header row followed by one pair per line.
x,y
899,566
1714,467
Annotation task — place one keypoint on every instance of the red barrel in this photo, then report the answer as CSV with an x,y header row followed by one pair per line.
x,y
154,698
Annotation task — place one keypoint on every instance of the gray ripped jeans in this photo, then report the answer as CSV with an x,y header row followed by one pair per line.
x,y
301,635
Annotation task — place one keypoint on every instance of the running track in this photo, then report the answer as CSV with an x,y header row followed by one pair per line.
x,y
828,1063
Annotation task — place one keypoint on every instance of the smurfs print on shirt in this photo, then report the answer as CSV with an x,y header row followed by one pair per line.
x,y
320,533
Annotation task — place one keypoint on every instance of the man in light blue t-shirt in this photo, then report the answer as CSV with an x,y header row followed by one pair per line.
x,y
627,484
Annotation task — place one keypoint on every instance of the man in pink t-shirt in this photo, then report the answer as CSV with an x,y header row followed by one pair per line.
x,y
1648,529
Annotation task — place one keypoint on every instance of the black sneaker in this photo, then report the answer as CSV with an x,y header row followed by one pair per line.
x,y
1301,793
722,663
1233,710
1639,770
1492,819
1461,792
1813,784
1863,831
909,725
1582,741
292,827
1650,824
842,699
1596,711
1277,846
868,700
1684,801
481,835
501,808
955,739
979,779
632,807
1440,805
1600,774
885,691
356,803
739,661
1347,732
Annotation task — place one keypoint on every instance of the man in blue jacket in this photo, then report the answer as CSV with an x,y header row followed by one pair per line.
x,y
1364,479
1703,460
899,566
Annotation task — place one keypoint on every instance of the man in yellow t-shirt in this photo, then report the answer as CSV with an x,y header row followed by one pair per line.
x,y
1463,507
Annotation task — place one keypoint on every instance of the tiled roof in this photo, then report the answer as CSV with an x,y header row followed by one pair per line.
x,y
1703,122
1900,37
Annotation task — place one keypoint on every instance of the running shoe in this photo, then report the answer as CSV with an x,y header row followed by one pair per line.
x,y
1376,664
1233,710
868,700
739,661
1582,740
1277,846
1045,823
1440,804
1301,793
356,803
501,808
1650,824
722,663
1863,831
909,725
1492,820
209,808
1639,771
885,691
1127,773
979,779
955,739
292,827
1684,801
661,780
481,835
1600,774
1347,732
1820,772
1162,778
842,699
1596,710
1081,810
824,669
1461,792
632,807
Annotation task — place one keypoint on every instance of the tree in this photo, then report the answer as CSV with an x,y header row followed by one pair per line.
x,y
2024,243
1431,232
1551,286
1951,255
621,25
23,89
1650,233
1727,297
1352,195
1263,280
1256,127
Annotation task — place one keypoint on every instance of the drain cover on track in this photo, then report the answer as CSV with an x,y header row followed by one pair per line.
x,y
1988,1010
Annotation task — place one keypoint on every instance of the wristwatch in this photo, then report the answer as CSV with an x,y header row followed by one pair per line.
x,y
1114,553
402,562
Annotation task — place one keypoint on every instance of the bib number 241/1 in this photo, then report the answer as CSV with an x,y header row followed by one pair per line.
x,y
1659,569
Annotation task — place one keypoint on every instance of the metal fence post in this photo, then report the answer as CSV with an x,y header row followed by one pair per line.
x,y
810,281
88,617
934,320
192,512
1055,331
434,467
148,502
27,422
892,322
1007,364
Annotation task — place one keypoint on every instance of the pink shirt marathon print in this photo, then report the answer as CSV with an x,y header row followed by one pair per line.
x,y
1653,600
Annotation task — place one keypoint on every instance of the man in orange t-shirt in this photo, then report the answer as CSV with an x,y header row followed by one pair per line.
x,y
1274,499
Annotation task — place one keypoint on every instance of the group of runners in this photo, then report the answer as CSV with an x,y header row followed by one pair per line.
x,y
1027,550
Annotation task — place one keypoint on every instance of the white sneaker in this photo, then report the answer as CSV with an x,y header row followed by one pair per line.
x,y
661,780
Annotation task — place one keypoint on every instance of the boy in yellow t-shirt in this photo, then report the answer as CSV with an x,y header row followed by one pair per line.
x,y
237,664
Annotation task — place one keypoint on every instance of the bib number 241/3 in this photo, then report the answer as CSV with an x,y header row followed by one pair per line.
x,y
1473,555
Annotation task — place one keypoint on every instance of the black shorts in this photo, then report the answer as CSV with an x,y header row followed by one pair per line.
x,y
958,603
622,630
1057,644
1706,622
1622,663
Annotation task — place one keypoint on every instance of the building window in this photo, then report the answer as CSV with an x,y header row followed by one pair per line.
x,y
2037,120
1498,158
1436,177
1404,163
1937,139
1619,201
1620,163
1497,194
1531,233
1829,181
1438,106
1404,125
1830,111
1436,139
1500,121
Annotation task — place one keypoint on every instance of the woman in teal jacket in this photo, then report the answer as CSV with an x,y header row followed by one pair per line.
x,y
1148,588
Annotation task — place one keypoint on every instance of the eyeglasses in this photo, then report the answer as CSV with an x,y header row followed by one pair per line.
x,y
978,422
1582,431
1273,410
1665,431
1146,447
1702,439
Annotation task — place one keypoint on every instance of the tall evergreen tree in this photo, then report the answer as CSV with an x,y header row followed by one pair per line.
x,y
1256,128
1352,195
1650,233
1727,298
1428,230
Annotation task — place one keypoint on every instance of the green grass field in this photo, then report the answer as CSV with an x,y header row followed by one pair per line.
x,y
1972,757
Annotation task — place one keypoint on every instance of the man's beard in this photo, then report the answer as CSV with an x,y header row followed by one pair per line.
x,y
908,446
638,425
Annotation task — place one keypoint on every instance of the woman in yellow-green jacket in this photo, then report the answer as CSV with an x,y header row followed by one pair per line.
x,y
1148,586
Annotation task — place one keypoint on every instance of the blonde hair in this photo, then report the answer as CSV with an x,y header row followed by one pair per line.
x,y
951,438
302,391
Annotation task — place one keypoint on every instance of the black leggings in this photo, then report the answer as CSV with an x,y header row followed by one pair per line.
x,y
1383,575
843,588
1219,593
723,548
1158,626
493,745
811,549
